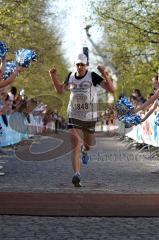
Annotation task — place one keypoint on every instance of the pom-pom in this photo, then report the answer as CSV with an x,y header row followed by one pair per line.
x,y
123,106
25,56
130,120
3,49
8,69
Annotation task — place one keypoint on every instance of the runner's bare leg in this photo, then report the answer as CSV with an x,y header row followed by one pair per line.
x,y
76,144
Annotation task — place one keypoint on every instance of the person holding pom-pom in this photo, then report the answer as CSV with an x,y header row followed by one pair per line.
x,y
11,78
153,101
153,98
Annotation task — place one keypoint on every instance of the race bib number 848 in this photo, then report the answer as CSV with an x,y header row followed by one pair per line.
x,y
82,106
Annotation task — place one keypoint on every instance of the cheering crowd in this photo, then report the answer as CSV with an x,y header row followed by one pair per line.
x,y
38,117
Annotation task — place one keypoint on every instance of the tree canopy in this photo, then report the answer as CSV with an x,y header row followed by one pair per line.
x,y
27,24
131,30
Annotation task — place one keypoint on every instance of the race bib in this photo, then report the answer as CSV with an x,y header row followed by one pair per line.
x,y
80,103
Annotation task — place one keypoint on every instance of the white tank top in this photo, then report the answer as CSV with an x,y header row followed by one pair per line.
x,y
83,98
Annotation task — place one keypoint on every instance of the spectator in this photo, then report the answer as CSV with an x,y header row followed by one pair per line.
x,y
136,93
155,96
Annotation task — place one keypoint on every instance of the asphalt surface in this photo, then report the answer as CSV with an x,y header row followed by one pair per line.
x,y
113,169
75,228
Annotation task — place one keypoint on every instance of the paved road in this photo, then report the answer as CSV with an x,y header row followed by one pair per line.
x,y
75,228
112,169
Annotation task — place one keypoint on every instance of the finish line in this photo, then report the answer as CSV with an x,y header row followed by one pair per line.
x,y
79,204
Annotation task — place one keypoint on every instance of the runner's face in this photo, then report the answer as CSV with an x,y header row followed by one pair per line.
x,y
81,69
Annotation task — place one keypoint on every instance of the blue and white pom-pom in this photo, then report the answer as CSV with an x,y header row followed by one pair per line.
x,y
130,120
8,69
123,106
3,49
24,57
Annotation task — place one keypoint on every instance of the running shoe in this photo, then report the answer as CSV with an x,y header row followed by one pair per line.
x,y
76,180
84,156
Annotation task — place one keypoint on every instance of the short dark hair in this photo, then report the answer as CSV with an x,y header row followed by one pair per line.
x,y
136,90
13,90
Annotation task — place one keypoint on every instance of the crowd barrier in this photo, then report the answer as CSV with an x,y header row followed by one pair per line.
x,y
146,132
19,129
15,132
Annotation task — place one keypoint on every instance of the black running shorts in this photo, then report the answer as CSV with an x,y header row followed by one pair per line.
x,y
88,126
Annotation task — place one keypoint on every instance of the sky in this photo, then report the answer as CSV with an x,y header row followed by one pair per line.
x,y
71,18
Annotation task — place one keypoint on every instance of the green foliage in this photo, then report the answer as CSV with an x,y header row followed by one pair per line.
x,y
25,24
132,33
